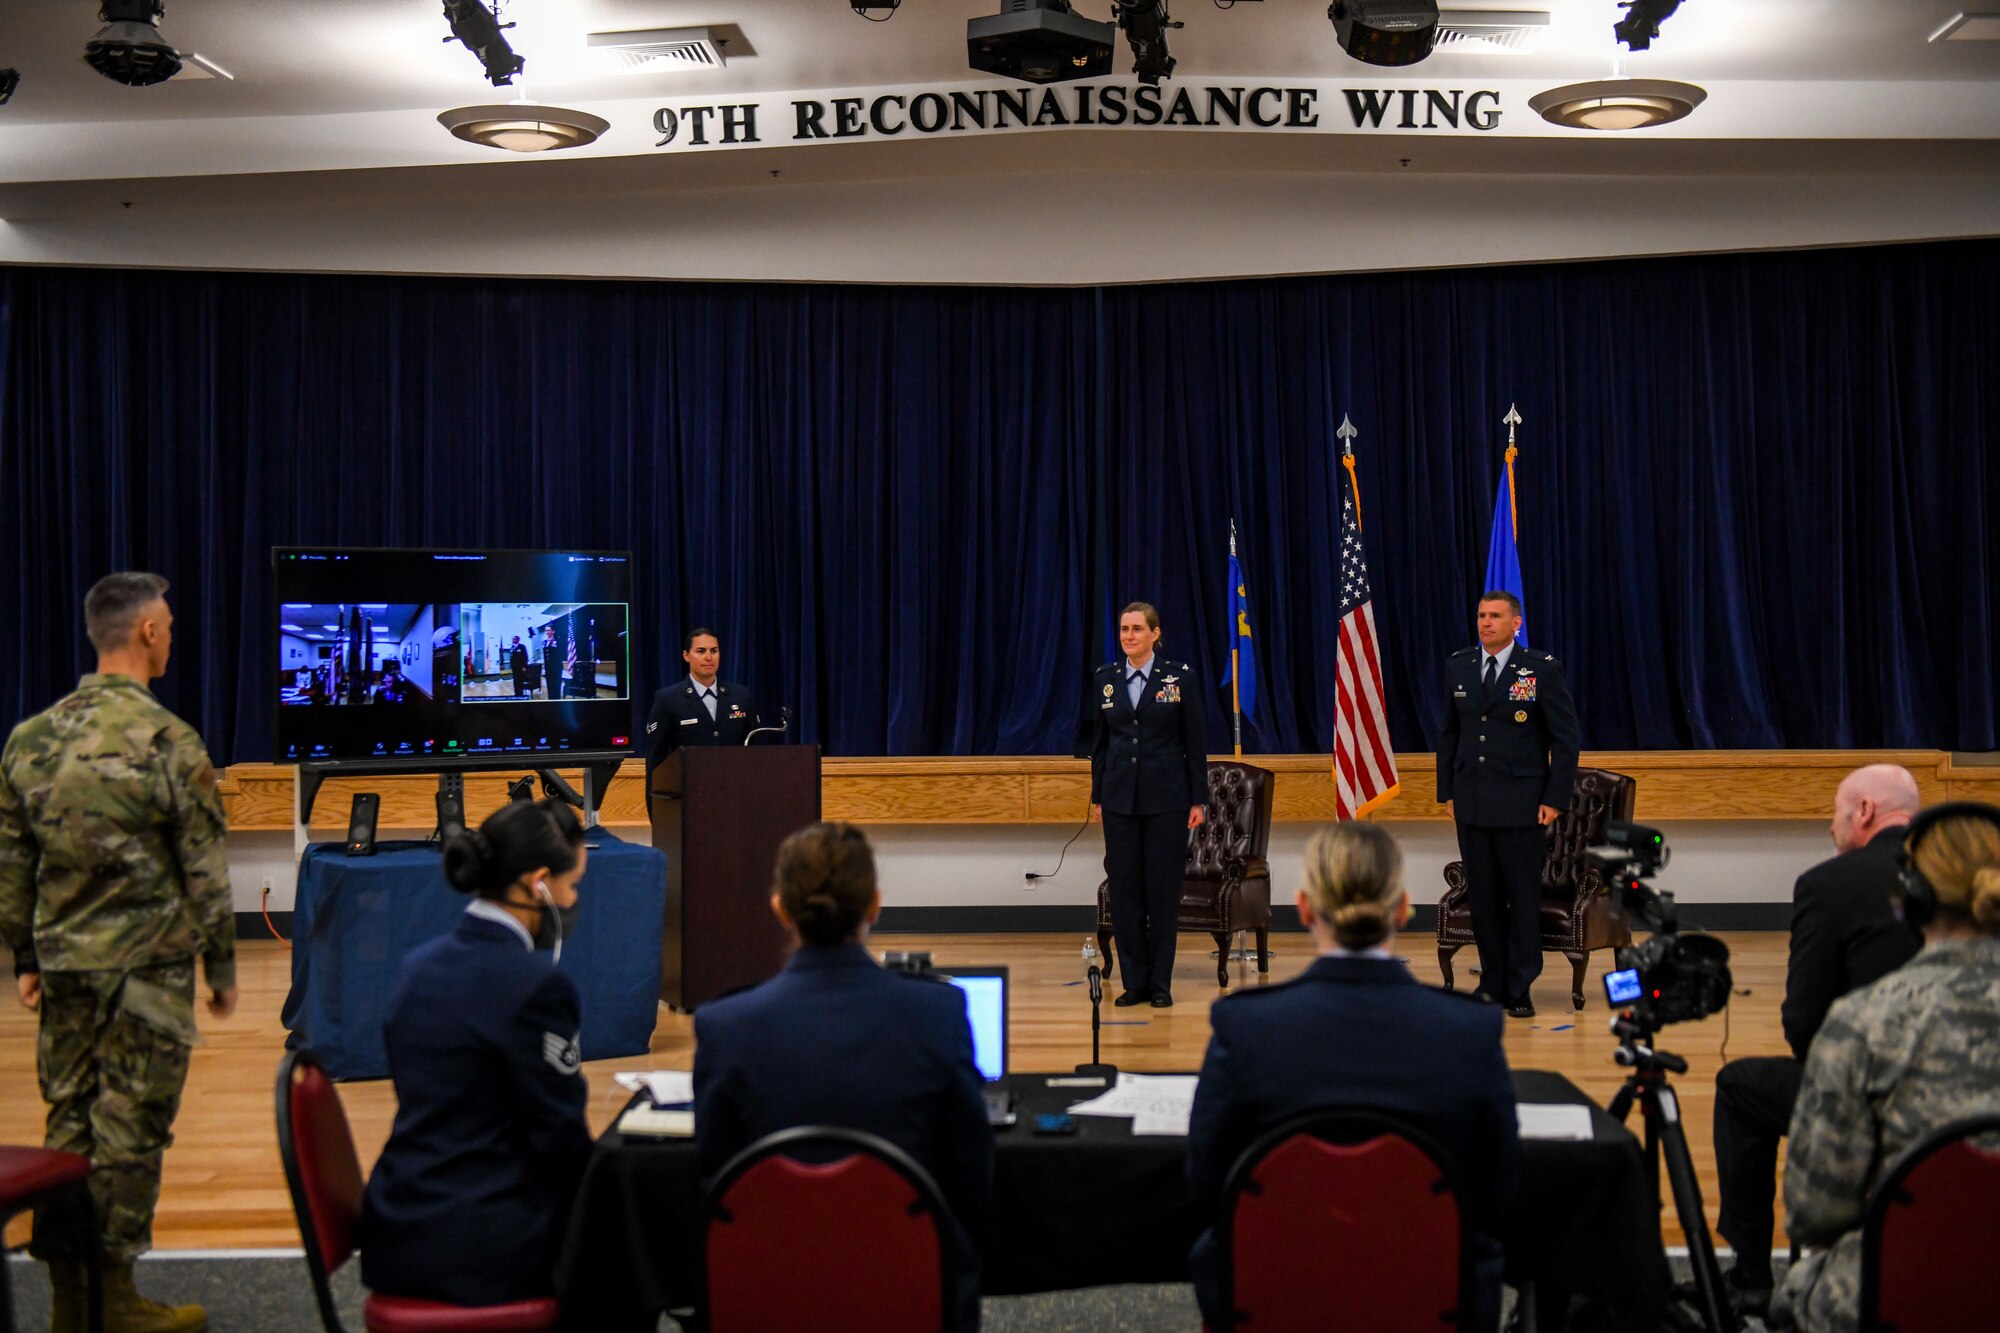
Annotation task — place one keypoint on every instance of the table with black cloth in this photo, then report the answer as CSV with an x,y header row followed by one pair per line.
x,y
1102,1206
357,918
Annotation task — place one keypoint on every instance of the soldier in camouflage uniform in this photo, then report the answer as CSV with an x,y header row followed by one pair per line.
x,y
112,880
1896,1060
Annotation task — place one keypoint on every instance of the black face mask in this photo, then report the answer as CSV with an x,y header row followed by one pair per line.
x,y
554,922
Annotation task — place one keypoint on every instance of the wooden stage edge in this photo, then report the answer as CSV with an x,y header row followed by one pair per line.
x,y
1049,789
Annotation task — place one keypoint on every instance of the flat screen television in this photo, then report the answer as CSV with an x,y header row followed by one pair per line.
x,y
452,659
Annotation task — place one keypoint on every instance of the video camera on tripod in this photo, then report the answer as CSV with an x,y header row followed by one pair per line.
x,y
1671,977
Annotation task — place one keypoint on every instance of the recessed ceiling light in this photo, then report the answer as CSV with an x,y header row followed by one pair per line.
x,y
524,127
1969,28
1617,104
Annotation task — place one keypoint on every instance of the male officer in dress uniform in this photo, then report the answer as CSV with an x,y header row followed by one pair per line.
x,y
700,709
1149,784
1505,764
112,880
517,664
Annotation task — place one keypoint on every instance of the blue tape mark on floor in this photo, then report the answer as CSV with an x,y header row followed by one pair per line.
x,y
1072,983
1562,1027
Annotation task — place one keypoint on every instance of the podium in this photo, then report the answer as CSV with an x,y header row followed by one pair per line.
x,y
719,813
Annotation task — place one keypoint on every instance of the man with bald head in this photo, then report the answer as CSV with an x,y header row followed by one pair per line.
x,y
1844,935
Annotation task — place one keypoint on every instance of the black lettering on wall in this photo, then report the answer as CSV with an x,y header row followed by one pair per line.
x,y
811,120
928,113
1482,119
1436,105
878,114
1299,113
739,123
1367,105
1111,106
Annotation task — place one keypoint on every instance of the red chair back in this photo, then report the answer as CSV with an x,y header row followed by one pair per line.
x,y
1344,1219
797,1241
1932,1230
321,1170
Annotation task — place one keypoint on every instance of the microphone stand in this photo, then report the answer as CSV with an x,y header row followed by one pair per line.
x,y
1096,1068
784,725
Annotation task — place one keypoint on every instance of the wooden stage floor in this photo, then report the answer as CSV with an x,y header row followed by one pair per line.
x,y
224,1187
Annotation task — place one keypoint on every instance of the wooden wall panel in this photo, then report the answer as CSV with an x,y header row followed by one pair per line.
x,y
1049,789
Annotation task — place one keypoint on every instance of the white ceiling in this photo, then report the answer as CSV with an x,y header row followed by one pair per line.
x,y
323,151
318,57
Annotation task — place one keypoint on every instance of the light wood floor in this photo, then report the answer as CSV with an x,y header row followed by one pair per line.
x,y
224,1187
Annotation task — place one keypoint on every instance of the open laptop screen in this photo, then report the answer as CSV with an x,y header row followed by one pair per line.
x,y
986,1007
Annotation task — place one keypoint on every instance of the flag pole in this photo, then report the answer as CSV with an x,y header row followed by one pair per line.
x,y
1346,434
1235,659
1513,419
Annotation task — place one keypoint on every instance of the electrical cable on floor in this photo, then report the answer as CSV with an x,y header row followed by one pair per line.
x,y
268,923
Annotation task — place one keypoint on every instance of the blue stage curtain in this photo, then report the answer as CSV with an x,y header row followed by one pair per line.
x,y
1759,494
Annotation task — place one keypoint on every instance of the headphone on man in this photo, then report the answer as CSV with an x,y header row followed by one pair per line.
x,y
1915,898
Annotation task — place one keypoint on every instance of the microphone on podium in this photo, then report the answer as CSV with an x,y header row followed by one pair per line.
x,y
1095,976
784,725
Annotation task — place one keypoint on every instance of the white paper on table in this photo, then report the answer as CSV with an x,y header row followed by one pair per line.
x,y
1162,1099
1564,1121
667,1087
1161,1126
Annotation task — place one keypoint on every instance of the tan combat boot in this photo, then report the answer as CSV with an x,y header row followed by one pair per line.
x,y
126,1311
67,1285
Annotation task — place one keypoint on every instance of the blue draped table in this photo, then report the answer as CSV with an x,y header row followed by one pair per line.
x,y
358,917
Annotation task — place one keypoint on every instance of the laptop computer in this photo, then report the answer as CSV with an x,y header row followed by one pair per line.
x,y
986,1008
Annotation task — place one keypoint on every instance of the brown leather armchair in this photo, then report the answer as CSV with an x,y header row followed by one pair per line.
x,y
1576,911
1228,882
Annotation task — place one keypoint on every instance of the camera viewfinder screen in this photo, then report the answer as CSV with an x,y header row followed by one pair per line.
x,y
1622,987
400,655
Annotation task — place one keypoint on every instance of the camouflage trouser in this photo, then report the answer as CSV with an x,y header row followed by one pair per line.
x,y
113,1058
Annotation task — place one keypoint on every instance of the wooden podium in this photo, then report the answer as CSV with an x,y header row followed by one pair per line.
x,y
719,813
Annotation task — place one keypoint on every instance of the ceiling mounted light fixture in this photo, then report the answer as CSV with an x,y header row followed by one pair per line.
x,y
1617,104
477,29
129,48
1039,41
523,127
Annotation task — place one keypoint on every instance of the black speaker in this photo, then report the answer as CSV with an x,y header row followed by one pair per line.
x,y
361,823
450,807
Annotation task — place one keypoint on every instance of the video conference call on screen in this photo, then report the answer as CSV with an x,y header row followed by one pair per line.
x,y
441,655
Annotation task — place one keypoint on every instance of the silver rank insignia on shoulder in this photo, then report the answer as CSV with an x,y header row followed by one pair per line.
x,y
565,1056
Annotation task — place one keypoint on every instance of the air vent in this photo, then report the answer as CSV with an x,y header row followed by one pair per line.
x,y
661,50
1491,31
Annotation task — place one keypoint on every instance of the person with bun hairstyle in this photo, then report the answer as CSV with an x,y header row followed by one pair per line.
x,y
836,1040
1356,1030
468,1201
1897,1059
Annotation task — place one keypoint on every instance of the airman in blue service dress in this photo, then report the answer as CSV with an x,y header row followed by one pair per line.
x,y
681,717
1509,747
468,1201
1357,1030
808,1047
1148,767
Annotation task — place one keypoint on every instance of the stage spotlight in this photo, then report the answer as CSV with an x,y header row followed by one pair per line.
x,y
10,79
1385,32
1642,21
1145,24
128,49
1039,41
474,26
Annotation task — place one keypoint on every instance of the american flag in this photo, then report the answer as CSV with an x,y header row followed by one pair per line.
x,y
1364,767
569,663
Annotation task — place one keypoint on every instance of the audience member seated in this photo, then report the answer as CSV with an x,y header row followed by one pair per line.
x,y
836,1040
1915,1051
1357,1030
468,1201
1844,935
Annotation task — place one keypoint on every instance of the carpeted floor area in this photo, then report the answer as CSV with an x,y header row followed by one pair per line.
x,y
264,1294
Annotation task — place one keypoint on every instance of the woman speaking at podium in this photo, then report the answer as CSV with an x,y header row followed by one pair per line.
x,y
1149,784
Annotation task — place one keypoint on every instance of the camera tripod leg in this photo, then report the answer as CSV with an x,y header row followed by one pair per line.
x,y
1687,1205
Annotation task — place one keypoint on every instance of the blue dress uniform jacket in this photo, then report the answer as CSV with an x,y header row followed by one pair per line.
x,y
680,718
1355,1031
469,1199
1502,755
836,1040
1152,760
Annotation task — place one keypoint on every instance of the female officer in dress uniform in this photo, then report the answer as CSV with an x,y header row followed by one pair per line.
x,y
835,1040
468,1201
1149,784
1356,1029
